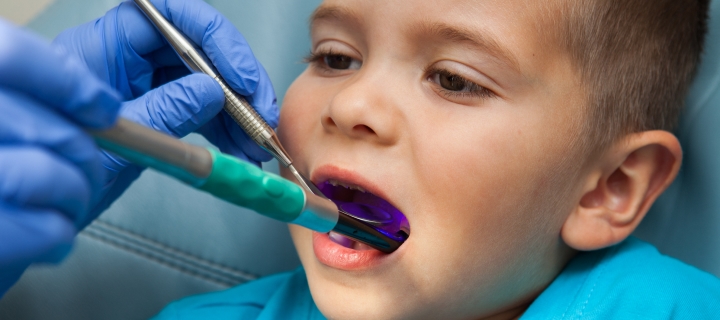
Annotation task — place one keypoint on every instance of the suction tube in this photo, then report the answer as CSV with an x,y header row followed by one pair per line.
x,y
239,182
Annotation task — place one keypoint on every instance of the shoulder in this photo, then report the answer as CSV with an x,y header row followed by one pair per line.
x,y
629,281
272,297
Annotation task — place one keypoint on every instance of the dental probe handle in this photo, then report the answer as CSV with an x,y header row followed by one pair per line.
x,y
235,105
224,176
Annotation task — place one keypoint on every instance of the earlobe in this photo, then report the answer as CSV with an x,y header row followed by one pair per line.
x,y
620,188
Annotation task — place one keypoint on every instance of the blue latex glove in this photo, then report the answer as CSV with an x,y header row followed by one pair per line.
x,y
124,49
48,166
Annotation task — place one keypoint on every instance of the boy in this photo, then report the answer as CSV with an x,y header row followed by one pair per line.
x,y
523,140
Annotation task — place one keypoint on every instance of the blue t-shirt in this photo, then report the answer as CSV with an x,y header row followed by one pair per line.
x,y
631,280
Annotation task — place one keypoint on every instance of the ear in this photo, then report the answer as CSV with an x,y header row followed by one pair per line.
x,y
620,188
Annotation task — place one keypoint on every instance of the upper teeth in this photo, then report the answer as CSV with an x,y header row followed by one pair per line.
x,y
348,186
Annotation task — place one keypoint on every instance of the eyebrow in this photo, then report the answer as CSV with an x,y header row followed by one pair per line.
x,y
336,13
462,35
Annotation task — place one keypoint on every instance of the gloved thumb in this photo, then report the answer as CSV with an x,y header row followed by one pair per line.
x,y
178,107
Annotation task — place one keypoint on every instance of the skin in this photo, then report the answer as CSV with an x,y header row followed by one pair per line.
x,y
498,194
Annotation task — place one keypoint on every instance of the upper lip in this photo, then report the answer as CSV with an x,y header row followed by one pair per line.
x,y
349,177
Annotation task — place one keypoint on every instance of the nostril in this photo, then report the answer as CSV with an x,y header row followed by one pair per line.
x,y
329,122
364,128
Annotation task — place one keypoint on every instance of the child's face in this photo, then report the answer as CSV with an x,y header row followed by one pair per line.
x,y
462,114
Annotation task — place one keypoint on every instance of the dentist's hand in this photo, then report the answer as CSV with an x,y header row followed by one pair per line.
x,y
49,167
124,49
53,180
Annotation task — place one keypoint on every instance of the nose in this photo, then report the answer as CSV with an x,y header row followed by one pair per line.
x,y
364,109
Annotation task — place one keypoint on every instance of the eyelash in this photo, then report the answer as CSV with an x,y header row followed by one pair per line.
x,y
313,57
317,60
475,90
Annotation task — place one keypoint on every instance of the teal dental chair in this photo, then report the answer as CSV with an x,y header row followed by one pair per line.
x,y
685,220
162,241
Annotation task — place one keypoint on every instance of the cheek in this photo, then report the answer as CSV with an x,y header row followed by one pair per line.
x,y
492,171
299,115
490,190
498,159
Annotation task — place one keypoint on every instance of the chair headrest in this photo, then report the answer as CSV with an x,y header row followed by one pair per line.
x,y
685,221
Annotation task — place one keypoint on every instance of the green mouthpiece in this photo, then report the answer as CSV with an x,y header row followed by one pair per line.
x,y
246,185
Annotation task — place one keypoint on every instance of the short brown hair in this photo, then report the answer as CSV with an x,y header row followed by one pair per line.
x,y
636,60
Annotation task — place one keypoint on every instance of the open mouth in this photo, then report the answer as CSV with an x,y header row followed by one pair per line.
x,y
374,222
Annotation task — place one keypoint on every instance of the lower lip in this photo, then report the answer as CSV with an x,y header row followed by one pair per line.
x,y
336,256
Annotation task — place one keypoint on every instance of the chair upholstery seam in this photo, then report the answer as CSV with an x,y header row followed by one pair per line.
x,y
161,253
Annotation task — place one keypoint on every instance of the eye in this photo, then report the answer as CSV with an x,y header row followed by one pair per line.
x,y
338,61
453,85
332,61
452,82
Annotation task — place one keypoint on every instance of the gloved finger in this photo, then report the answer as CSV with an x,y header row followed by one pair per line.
x,y
264,100
167,74
24,121
33,177
179,107
10,275
167,66
33,235
30,65
219,39
111,191
165,57
203,25
231,139
223,132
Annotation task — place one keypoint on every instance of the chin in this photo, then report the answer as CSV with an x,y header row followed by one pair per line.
x,y
377,291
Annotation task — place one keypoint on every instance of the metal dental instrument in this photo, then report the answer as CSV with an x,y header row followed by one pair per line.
x,y
235,105
240,183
